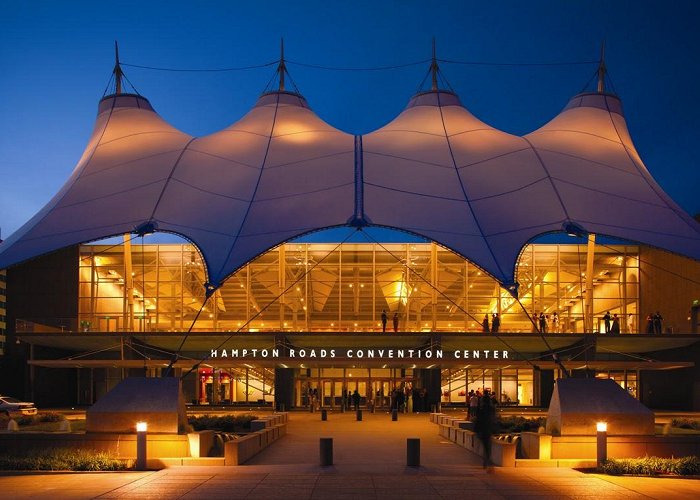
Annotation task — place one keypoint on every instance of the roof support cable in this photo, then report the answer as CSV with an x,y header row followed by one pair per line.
x,y
255,190
90,353
630,355
464,191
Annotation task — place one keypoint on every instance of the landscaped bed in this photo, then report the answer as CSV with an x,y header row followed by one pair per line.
x,y
63,459
652,466
225,423
44,422
515,424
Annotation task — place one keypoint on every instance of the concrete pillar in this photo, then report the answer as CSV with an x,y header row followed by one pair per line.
x,y
284,388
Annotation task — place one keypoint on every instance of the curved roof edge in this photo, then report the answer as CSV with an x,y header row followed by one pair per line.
x,y
434,98
123,101
604,101
282,97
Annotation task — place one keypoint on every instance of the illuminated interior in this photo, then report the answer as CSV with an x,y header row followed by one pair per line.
x,y
328,287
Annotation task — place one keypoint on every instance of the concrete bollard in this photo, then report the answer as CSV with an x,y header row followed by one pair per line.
x,y
342,407
372,408
326,451
359,415
324,415
433,408
413,452
394,415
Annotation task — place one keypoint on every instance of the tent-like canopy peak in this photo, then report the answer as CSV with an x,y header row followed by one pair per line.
x,y
435,170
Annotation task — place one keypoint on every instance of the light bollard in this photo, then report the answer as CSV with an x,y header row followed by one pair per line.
x,y
394,415
601,442
413,452
324,415
326,451
359,415
141,448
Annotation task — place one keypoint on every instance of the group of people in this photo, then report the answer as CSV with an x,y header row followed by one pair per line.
x,y
655,323
385,320
349,398
495,323
547,323
612,324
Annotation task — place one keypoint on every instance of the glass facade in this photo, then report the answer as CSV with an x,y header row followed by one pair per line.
x,y
513,387
331,287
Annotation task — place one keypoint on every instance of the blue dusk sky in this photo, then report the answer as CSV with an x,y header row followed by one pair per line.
x,y
57,58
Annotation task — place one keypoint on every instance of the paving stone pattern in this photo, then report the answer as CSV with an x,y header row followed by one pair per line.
x,y
369,463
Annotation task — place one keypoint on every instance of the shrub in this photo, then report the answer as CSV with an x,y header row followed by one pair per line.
x,y
226,423
519,424
652,466
686,423
49,416
25,420
63,459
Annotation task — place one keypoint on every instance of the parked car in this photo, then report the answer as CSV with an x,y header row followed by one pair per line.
x,y
14,407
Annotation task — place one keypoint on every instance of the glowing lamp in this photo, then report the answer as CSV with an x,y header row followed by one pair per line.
x,y
141,446
601,427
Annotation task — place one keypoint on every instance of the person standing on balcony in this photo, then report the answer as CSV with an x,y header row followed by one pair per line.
x,y
384,320
395,321
607,319
615,328
495,323
658,323
485,324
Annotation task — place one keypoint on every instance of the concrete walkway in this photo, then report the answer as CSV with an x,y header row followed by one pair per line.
x,y
369,463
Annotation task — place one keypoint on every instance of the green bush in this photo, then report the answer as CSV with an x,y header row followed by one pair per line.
x,y
519,424
652,466
686,423
226,423
63,459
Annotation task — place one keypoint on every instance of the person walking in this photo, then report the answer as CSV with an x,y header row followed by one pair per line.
x,y
485,425
384,320
543,323
356,399
555,322
395,321
473,404
630,323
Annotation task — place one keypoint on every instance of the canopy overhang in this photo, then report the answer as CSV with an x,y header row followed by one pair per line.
x,y
281,172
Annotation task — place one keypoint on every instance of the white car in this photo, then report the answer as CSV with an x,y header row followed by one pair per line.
x,y
14,407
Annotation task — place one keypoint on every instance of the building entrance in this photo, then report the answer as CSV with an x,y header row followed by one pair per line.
x,y
376,387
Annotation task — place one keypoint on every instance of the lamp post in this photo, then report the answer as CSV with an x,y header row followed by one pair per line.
x,y
602,442
141,432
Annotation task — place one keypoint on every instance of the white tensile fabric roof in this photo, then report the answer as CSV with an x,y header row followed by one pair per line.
x,y
281,172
